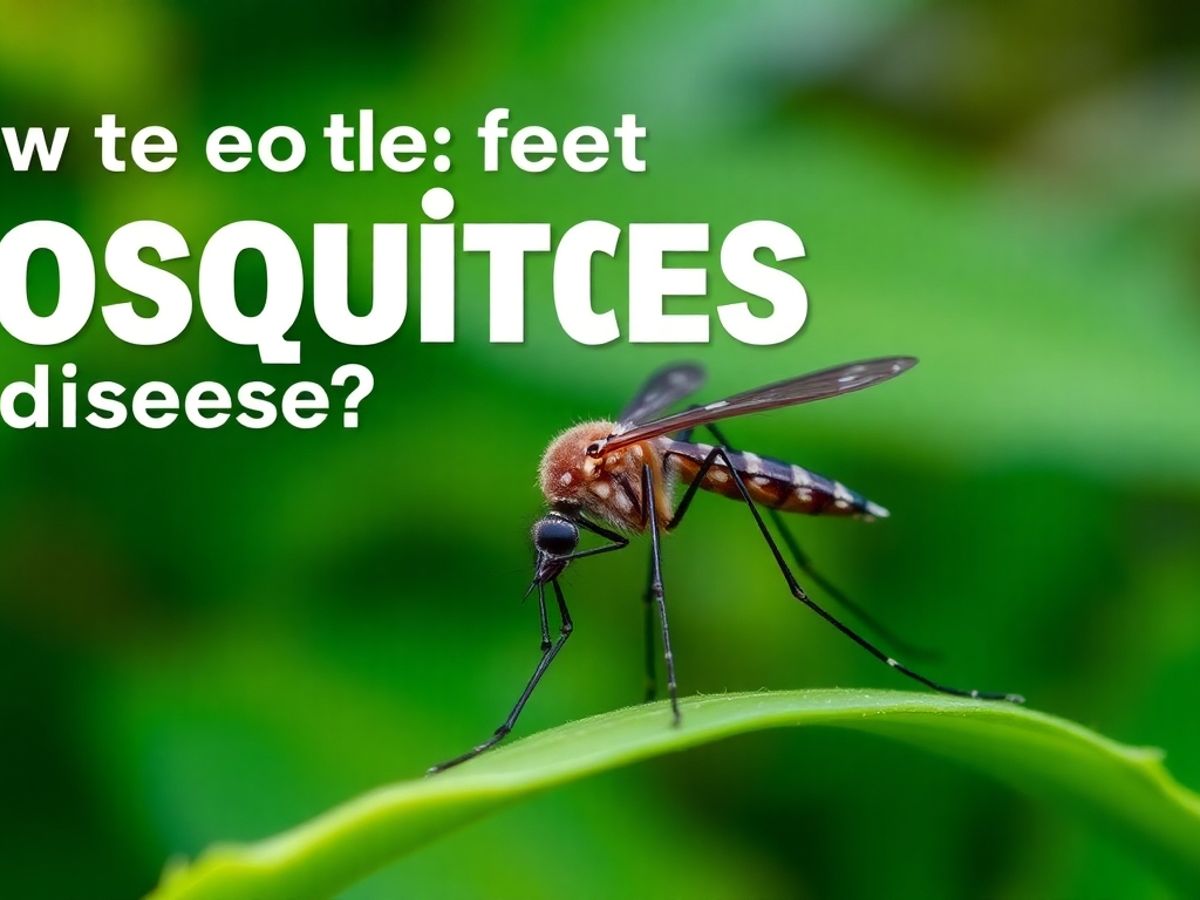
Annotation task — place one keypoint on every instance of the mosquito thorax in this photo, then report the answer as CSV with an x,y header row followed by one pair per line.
x,y
566,466
607,486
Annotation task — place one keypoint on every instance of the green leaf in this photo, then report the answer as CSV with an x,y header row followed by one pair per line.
x,y
1122,788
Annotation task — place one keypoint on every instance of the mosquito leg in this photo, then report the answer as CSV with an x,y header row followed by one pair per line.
x,y
799,593
804,564
614,536
549,651
648,619
656,588
690,492
616,541
543,619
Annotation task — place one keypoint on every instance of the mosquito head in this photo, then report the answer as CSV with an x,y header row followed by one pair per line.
x,y
555,538
555,535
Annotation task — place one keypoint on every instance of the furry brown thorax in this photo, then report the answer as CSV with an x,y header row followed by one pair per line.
x,y
608,487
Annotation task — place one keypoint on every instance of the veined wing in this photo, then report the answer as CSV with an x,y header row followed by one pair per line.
x,y
663,389
804,389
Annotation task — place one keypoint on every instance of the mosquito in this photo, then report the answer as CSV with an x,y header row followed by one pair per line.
x,y
618,478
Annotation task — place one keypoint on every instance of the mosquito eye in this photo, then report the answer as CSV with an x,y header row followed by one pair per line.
x,y
555,537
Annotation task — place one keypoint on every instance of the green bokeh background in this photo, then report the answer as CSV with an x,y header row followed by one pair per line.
x,y
213,635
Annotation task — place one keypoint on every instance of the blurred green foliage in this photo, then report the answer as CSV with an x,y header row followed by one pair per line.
x,y
218,634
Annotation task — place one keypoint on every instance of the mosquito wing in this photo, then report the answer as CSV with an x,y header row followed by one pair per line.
x,y
664,388
816,386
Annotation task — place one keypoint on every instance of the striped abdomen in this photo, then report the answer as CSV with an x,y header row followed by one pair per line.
x,y
771,483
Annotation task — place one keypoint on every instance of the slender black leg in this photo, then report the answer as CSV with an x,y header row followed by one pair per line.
x,y
549,651
798,591
656,588
648,620
617,541
543,619
615,536
804,564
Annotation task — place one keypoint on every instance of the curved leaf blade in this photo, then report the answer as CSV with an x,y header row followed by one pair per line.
x,y
1121,787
